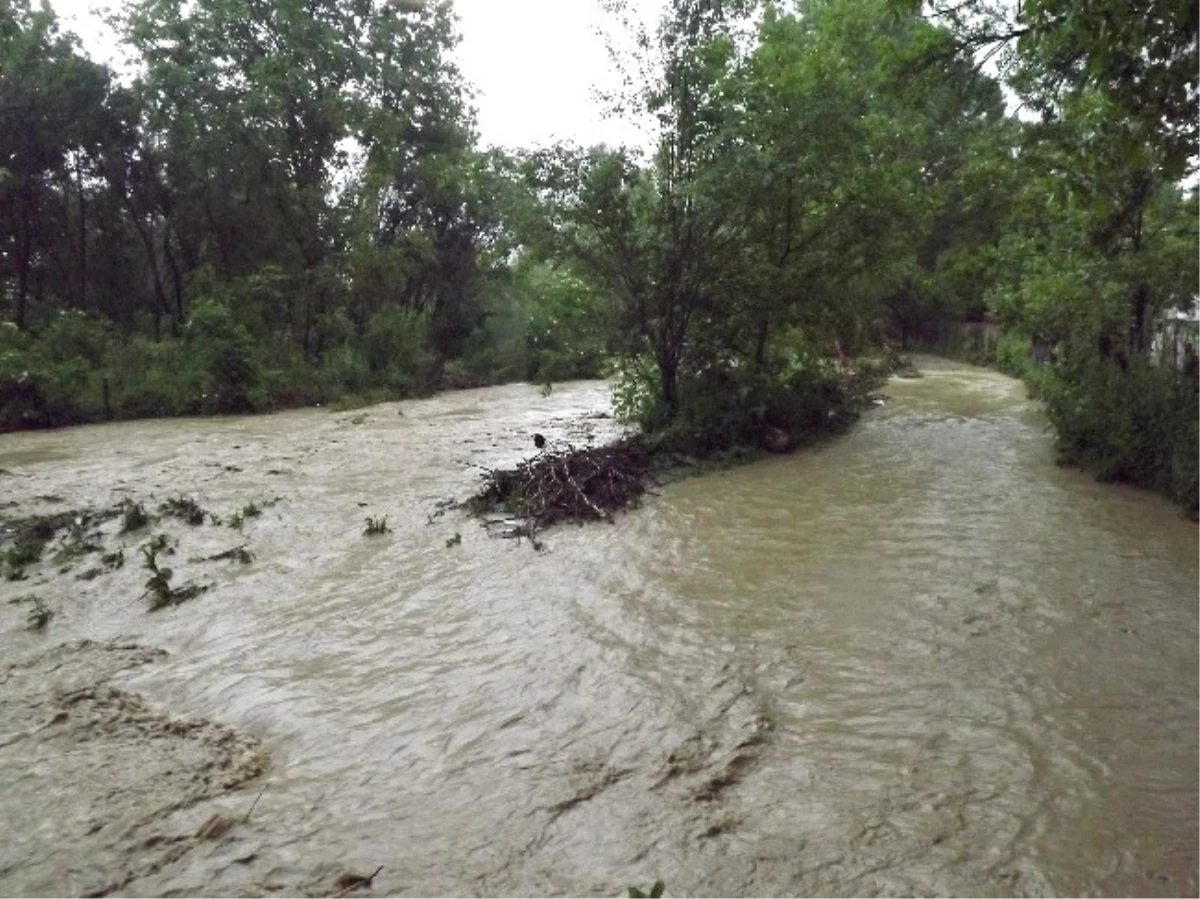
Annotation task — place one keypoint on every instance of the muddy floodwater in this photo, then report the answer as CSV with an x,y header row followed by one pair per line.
x,y
915,659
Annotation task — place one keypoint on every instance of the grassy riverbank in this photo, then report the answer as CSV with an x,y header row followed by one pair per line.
x,y
79,369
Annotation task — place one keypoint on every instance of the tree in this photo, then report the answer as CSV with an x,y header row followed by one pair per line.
x,y
252,114
53,118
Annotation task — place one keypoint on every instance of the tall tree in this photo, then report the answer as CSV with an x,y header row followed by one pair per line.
x,y
52,118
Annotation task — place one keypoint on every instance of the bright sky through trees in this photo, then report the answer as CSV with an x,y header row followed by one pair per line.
x,y
534,65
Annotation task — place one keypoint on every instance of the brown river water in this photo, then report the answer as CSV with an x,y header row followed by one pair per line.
x,y
915,659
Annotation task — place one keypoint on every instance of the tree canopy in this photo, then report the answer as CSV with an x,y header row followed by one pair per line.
x,y
289,202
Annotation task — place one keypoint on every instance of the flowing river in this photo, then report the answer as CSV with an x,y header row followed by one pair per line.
x,y
918,658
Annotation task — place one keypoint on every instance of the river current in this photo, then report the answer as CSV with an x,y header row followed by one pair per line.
x,y
919,658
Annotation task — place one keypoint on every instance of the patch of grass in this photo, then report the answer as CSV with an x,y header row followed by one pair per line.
x,y
184,508
134,518
14,559
352,401
376,526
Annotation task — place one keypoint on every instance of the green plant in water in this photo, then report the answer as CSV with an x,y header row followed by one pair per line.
x,y
74,548
376,526
655,891
134,518
158,585
39,616
114,560
454,541
251,510
184,508
15,558
238,553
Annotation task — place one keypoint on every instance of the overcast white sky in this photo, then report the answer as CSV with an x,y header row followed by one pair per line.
x,y
533,63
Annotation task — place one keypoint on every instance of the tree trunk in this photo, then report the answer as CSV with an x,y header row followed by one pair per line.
x,y
760,347
83,259
160,293
1139,301
668,376
1137,319
24,259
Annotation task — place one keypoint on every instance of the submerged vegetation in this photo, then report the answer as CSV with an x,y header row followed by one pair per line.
x,y
23,544
654,892
185,509
820,179
376,526
134,518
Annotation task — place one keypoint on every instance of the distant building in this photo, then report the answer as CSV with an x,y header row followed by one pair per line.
x,y
1176,335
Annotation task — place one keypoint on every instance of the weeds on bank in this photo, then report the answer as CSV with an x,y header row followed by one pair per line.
x,y
376,526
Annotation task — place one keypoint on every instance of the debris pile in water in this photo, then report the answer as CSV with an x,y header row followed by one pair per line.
x,y
571,484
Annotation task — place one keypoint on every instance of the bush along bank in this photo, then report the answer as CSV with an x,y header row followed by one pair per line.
x,y
78,369
1128,420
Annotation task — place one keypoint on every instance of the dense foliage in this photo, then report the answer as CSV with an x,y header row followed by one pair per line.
x,y
289,204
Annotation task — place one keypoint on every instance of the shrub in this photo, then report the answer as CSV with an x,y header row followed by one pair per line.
x,y
727,405
1185,458
288,381
1137,426
149,379
226,354
1013,354
397,350
73,336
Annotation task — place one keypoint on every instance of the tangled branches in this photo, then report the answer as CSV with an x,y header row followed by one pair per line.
x,y
569,485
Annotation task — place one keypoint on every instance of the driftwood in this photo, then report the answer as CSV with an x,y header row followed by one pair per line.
x,y
570,484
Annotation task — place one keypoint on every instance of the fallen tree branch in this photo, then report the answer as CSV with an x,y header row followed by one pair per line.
x,y
571,484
